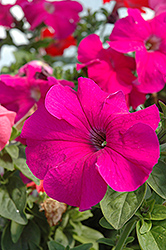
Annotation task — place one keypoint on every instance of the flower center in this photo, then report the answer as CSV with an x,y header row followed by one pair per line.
x,y
98,139
49,7
35,94
153,43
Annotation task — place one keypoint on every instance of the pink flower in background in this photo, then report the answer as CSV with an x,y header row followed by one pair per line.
x,y
81,141
148,40
6,122
6,18
62,16
111,70
39,66
19,93
158,6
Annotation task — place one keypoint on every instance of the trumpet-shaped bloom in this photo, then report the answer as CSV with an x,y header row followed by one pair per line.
x,y
6,122
111,70
81,141
62,16
19,93
148,40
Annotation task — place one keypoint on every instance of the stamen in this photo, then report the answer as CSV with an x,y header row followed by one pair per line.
x,y
98,139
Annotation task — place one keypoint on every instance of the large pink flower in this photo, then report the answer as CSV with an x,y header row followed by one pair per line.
x,y
148,40
19,93
81,141
6,122
62,16
111,70
6,18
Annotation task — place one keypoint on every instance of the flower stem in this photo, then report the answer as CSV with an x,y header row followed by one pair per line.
x,y
126,232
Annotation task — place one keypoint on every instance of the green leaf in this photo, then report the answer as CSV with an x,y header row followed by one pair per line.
x,y
157,179
163,107
76,227
78,216
53,245
22,166
146,209
104,223
83,247
6,162
125,234
106,241
145,227
60,237
88,235
154,239
33,246
14,133
31,233
158,212
119,207
13,200
16,230
13,151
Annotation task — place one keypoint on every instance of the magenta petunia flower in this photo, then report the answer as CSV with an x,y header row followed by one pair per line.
x,y
19,93
6,122
148,40
81,141
111,70
6,18
62,16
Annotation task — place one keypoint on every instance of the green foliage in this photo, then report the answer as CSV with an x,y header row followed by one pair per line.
x,y
13,200
21,165
30,238
53,245
157,179
153,239
119,207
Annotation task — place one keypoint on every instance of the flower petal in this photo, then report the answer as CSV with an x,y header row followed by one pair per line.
x,y
128,160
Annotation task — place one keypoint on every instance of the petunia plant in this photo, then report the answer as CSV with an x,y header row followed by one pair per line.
x,y
83,126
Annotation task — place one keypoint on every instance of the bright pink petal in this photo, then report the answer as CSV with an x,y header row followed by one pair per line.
x,y
136,152
62,102
89,48
6,123
108,79
135,98
151,68
81,185
149,116
129,33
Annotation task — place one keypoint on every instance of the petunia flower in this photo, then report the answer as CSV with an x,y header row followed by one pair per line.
x,y
19,93
62,16
111,70
6,18
148,40
81,141
6,122
57,46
